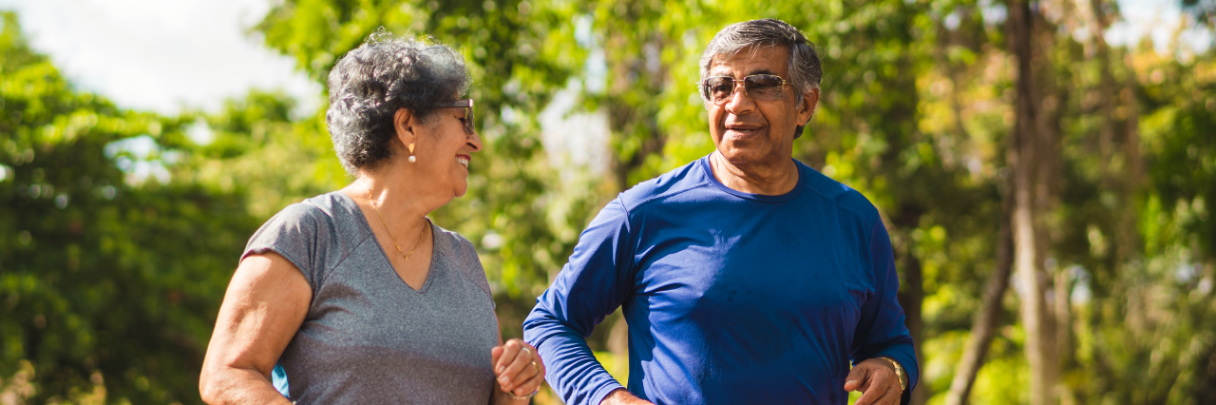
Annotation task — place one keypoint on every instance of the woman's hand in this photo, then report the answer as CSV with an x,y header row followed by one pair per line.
x,y
517,368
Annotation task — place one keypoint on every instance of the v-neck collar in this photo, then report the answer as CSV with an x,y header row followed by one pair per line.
x,y
353,209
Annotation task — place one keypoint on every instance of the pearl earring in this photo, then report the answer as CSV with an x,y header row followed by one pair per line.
x,y
412,158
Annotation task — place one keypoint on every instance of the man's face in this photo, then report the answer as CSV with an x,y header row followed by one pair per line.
x,y
746,131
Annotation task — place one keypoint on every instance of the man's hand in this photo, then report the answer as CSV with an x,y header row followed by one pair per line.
x,y
876,380
622,396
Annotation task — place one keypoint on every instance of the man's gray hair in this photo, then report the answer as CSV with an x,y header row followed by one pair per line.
x,y
370,83
804,65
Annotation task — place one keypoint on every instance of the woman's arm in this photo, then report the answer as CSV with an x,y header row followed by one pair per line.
x,y
263,308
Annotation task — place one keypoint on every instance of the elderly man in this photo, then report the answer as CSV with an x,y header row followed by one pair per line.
x,y
746,277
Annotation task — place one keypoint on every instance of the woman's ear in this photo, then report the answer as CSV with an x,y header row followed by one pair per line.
x,y
403,122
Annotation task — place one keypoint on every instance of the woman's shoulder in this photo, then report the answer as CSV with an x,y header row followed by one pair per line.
x,y
310,233
331,210
336,205
453,244
461,254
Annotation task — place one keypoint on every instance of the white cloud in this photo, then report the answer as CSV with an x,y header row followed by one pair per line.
x,y
160,55
1157,20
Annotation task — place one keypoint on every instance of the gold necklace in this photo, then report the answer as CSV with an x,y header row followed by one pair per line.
x,y
390,233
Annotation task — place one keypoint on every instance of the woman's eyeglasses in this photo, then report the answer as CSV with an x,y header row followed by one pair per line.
x,y
466,104
719,89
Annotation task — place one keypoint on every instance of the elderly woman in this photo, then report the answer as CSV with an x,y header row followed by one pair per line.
x,y
355,297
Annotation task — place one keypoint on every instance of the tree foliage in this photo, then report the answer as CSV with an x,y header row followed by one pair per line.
x,y
108,278
119,229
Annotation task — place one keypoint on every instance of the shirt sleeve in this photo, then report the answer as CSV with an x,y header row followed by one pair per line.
x,y
881,331
596,280
469,264
296,234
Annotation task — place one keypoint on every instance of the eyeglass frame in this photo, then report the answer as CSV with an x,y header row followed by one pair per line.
x,y
704,84
467,104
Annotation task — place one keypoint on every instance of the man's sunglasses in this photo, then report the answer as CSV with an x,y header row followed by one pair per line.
x,y
466,104
719,89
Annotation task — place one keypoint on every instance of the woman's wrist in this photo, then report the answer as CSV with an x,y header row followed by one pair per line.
x,y
524,397
509,398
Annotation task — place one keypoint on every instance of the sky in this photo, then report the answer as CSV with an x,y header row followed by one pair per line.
x,y
1158,20
163,55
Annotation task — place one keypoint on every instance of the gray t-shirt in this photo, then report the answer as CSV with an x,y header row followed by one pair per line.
x,y
369,338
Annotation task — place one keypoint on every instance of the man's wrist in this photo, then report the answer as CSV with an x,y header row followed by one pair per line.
x,y
899,373
615,396
622,396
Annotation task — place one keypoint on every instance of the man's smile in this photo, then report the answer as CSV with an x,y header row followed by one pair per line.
x,y
742,131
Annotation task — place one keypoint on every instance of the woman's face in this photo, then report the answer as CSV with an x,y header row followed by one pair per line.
x,y
444,150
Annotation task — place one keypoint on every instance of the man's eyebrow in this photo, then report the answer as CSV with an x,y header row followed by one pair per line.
x,y
726,72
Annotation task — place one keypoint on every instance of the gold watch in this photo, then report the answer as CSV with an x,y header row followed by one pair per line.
x,y
899,372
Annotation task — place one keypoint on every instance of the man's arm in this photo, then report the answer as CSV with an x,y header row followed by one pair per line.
x,y
596,280
881,331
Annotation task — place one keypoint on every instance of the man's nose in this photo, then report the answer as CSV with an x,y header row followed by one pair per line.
x,y
739,103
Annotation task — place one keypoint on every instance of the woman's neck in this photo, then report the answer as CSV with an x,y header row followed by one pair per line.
x,y
402,201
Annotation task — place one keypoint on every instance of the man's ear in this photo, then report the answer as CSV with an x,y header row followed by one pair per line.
x,y
403,123
810,101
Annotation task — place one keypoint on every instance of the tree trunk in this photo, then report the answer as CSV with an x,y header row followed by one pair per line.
x,y
1026,258
912,297
1135,163
984,327
1056,323
1064,336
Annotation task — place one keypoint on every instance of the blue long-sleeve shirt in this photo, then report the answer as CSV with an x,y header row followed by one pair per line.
x,y
730,297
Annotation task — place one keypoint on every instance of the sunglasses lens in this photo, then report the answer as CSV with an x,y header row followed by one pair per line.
x,y
758,88
719,88
468,123
763,87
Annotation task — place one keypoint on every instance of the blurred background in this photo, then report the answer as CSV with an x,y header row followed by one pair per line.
x,y
1047,171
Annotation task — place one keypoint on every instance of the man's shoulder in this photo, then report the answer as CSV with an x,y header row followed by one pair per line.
x,y
838,194
679,181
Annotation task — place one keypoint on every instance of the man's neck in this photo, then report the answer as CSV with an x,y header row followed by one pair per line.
x,y
772,179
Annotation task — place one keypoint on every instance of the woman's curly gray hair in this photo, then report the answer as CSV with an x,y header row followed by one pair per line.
x,y
373,81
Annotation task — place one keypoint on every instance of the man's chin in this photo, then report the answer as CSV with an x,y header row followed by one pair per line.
x,y
741,156
750,156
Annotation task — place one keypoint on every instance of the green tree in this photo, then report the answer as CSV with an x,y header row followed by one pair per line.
x,y
118,232
109,275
